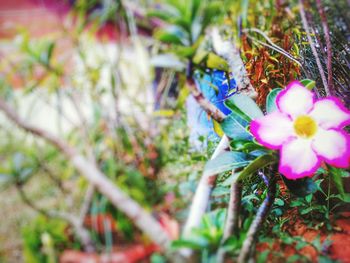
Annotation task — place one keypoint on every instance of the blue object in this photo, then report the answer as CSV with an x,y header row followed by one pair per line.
x,y
216,86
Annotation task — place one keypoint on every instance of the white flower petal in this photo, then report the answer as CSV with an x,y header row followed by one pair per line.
x,y
333,146
330,113
295,100
272,130
297,159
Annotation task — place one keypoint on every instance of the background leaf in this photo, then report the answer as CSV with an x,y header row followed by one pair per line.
x,y
271,105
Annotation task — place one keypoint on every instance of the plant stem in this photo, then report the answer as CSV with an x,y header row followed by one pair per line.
x,y
231,225
258,221
232,218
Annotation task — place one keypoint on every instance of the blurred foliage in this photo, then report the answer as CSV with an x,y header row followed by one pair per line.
x,y
42,239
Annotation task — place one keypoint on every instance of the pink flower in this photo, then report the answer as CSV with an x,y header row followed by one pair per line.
x,y
307,132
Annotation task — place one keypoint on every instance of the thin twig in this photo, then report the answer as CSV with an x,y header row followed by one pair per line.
x,y
328,44
312,46
258,221
271,44
89,194
79,230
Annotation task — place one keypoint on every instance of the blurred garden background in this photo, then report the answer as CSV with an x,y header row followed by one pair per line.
x,y
124,131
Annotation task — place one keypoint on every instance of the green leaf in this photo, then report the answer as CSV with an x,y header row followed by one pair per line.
x,y
247,147
279,202
235,127
183,51
167,37
247,105
308,83
172,35
211,11
271,105
195,5
300,187
161,14
226,162
200,56
216,62
229,104
336,175
259,163
182,243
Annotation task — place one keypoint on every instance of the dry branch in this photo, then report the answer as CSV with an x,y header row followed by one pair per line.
x,y
140,217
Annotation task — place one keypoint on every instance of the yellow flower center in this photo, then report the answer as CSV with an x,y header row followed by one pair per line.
x,y
305,126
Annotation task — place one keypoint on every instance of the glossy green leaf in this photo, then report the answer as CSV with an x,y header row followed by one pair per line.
x,y
216,62
226,162
271,105
259,163
247,105
255,165
336,175
235,127
308,83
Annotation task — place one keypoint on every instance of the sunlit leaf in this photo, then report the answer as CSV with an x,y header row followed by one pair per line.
x,y
216,62
247,105
226,162
308,83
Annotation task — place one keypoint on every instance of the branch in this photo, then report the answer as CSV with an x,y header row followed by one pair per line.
x,y
259,219
231,224
232,218
231,54
105,186
206,105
